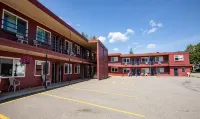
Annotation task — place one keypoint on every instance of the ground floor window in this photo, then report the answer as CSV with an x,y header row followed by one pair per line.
x,y
160,70
145,70
77,69
11,67
40,67
183,69
68,68
126,70
114,69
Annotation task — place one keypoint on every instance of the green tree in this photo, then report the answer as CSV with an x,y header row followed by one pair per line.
x,y
194,51
131,51
85,35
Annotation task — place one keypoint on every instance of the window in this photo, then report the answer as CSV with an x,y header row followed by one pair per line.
x,y
43,35
183,69
159,59
14,23
40,67
114,59
68,68
69,46
126,60
145,59
77,69
178,57
11,67
126,70
160,70
114,69
145,70
77,49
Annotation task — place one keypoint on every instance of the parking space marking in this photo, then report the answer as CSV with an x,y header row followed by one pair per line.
x,y
3,117
95,105
118,94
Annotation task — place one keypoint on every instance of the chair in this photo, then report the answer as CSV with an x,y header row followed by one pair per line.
x,y
188,74
36,43
21,38
48,80
13,83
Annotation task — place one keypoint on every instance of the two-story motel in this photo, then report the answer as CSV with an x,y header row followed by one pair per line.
x,y
29,29
153,64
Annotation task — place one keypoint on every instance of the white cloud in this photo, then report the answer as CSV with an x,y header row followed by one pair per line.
x,y
151,46
120,37
116,49
154,27
78,25
152,30
102,39
129,31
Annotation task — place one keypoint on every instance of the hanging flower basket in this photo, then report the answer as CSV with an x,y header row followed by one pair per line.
x,y
26,60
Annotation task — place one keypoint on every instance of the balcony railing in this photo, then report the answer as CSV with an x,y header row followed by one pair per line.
x,y
15,31
19,33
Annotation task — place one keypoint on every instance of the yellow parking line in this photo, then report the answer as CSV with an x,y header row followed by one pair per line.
x,y
104,92
95,105
3,117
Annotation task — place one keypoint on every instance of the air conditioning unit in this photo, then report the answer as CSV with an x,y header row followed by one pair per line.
x,y
159,63
146,62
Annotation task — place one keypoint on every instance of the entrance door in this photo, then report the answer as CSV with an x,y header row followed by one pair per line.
x,y
53,73
152,72
175,71
133,72
60,73
138,72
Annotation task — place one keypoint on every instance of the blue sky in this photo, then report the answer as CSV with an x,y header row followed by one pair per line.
x,y
144,25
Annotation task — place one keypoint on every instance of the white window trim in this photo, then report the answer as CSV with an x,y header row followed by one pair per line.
x,y
69,42
178,60
126,69
13,68
42,69
68,68
78,69
114,71
126,60
78,47
114,58
4,10
49,42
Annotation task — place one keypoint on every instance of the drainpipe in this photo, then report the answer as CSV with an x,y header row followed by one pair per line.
x,y
45,73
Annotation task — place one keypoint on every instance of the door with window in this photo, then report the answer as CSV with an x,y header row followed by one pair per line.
x,y
53,73
175,71
133,61
54,43
60,72
152,72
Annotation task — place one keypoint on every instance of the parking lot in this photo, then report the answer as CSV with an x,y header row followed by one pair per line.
x,y
112,98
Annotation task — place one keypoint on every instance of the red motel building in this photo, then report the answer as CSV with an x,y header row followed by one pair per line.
x,y
151,64
31,35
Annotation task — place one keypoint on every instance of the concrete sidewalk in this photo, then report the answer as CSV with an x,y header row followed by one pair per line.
x,y
195,75
25,92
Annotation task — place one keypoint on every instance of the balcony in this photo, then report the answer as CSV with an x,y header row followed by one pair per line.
x,y
19,33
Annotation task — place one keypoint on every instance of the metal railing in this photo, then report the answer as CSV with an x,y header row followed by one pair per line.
x,y
17,29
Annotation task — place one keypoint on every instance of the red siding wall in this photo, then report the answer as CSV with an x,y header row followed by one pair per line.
x,y
30,80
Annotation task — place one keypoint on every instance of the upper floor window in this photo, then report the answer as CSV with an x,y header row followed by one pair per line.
x,y
14,23
77,49
159,59
178,57
114,59
145,59
126,60
11,67
43,35
68,45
